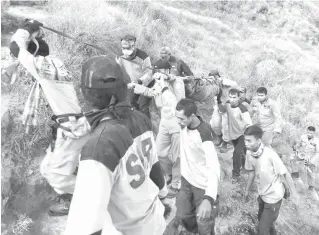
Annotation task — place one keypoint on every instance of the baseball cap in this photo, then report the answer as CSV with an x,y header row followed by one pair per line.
x,y
162,64
102,72
214,73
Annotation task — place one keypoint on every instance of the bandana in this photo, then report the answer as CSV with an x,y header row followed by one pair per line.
x,y
258,152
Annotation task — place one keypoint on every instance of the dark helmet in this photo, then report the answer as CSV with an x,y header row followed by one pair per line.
x,y
101,79
162,64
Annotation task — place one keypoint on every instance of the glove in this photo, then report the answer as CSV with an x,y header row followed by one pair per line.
x,y
158,76
163,192
139,89
31,25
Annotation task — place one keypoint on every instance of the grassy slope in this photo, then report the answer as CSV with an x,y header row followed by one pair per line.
x,y
232,37
255,44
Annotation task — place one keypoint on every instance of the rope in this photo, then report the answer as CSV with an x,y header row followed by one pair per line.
x,y
99,48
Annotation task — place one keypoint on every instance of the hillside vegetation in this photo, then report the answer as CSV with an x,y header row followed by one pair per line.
x,y
272,44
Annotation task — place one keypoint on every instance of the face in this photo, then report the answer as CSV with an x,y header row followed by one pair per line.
x,y
165,56
127,47
164,71
183,121
252,143
242,95
233,99
310,134
261,97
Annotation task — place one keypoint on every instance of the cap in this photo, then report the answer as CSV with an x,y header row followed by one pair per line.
x,y
102,72
128,37
165,51
162,64
214,73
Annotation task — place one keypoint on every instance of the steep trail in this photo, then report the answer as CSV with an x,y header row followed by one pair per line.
x,y
36,196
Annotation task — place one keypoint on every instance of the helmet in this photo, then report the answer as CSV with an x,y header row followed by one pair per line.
x,y
101,79
102,72
162,64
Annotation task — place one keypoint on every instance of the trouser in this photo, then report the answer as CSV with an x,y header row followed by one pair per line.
x,y
188,200
267,215
225,132
238,155
311,177
142,103
58,167
267,137
168,149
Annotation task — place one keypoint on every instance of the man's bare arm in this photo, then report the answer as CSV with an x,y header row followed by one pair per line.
x,y
289,182
251,178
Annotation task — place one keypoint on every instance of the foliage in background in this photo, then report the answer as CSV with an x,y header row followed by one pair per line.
x,y
272,44
263,48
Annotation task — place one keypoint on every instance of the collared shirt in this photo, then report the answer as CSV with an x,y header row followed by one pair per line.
x,y
268,168
269,117
309,147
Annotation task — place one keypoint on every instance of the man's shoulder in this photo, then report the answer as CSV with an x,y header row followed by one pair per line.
x,y
205,131
248,101
137,123
173,59
270,153
243,107
107,144
141,54
271,102
247,105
